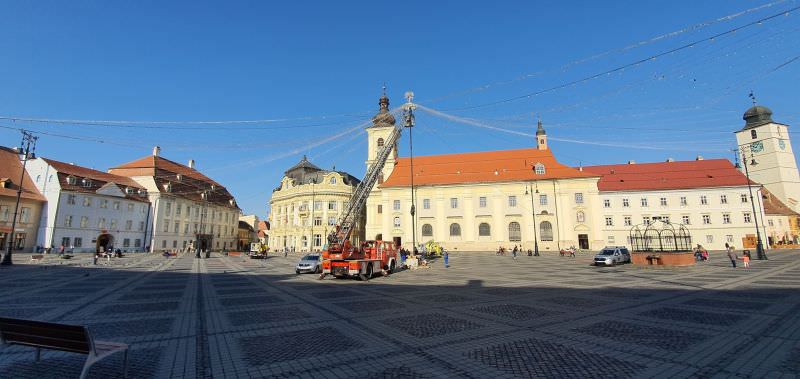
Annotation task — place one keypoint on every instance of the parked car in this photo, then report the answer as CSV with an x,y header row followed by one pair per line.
x,y
308,263
611,255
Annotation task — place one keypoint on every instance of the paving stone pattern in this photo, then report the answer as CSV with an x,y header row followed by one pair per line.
x,y
485,316
534,358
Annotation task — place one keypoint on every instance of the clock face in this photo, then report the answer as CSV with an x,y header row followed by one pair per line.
x,y
757,147
782,144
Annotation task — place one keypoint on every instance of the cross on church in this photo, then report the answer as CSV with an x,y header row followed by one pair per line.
x,y
752,97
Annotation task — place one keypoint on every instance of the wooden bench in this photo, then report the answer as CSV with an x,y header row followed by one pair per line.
x,y
63,337
37,257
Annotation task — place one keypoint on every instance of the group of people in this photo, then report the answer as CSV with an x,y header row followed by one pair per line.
x,y
517,249
733,257
701,254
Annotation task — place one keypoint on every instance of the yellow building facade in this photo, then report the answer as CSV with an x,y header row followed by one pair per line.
x,y
307,205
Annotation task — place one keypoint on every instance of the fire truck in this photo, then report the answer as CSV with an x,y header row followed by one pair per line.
x,y
341,259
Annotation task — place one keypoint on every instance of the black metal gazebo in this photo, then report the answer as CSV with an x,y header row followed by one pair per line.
x,y
661,236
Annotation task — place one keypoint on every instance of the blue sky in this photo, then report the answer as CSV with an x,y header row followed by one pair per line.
x,y
315,69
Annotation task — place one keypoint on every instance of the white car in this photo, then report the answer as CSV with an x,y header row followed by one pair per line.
x,y
309,263
611,255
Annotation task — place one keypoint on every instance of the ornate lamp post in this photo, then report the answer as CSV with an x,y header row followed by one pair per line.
x,y
529,189
409,123
28,139
762,255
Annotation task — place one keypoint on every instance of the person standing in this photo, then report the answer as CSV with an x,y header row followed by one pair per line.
x,y
732,256
746,259
446,258
514,252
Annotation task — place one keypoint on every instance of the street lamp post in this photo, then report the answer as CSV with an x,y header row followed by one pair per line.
x,y
533,213
409,123
761,254
28,139
313,207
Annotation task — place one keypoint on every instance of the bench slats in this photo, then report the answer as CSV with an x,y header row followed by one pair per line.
x,y
70,338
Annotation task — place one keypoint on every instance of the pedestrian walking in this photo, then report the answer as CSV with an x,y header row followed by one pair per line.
x,y
96,255
514,252
732,256
446,258
746,259
61,250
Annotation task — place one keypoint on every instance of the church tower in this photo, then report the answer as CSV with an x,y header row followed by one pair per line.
x,y
378,133
776,167
541,136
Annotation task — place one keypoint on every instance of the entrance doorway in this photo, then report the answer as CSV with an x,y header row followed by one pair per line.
x,y
104,242
397,241
583,241
379,237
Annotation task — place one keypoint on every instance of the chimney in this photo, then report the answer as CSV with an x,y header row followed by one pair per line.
x,y
670,160
699,158
631,162
156,151
191,163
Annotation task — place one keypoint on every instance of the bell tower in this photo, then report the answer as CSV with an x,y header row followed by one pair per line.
x,y
383,123
775,166
541,136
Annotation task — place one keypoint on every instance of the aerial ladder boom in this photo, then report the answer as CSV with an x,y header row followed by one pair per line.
x,y
349,218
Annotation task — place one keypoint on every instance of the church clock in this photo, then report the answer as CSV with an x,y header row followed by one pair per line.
x,y
757,147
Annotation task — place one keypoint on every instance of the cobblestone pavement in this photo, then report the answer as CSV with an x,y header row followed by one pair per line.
x,y
484,317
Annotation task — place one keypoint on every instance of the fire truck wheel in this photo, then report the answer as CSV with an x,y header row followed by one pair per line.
x,y
369,271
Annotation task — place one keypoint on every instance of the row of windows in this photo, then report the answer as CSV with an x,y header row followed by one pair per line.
x,y
685,219
78,242
723,199
186,244
485,230
176,228
709,239
7,213
213,215
101,223
104,203
426,203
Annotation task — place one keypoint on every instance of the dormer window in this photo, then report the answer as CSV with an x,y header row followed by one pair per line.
x,y
333,180
168,187
5,183
179,177
71,180
539,169
86,183
142,192
129,190
232,202
213,187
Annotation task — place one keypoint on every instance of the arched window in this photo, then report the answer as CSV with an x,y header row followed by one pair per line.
x,y
581,217
455,230
484,230
514,232
380,142
427,230
753,133
539,168
546,231
333,180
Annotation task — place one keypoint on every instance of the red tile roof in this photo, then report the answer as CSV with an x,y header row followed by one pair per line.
x,y
667,175
98,180
774,206
191,185
481,167
11,170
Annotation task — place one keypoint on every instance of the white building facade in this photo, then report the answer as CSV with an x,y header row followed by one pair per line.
x,y
89,210
189,210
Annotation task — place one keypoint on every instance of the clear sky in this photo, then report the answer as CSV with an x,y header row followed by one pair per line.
x,y
316,70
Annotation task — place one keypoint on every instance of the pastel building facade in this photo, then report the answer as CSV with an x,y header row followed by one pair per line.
x,y
89,210
26,230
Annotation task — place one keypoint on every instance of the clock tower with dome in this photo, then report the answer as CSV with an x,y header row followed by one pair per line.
x,y
776,167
